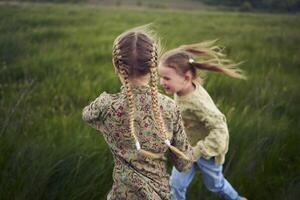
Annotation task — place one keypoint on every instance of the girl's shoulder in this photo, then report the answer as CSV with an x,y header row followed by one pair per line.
x,y
166,99
110,95
103,99
167,103
107,98
104,95
198,101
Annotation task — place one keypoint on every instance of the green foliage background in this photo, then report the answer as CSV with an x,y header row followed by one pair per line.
x,y
55,59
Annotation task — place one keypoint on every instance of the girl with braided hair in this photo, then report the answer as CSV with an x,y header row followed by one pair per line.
x,y
205,125
139,124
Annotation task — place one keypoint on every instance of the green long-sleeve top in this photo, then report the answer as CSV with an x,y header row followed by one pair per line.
x,y
205,125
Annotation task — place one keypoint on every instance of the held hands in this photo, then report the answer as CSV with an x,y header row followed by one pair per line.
x,y
196,153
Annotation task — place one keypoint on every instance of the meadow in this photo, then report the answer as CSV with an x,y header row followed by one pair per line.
x,y
55,59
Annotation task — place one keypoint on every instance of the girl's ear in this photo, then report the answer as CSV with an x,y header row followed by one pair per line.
x,y
188,76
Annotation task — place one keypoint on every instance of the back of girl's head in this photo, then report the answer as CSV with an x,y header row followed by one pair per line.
x,y
135,54
203,56
136,51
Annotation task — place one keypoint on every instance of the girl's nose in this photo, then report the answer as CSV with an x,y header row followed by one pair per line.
x,y
161,81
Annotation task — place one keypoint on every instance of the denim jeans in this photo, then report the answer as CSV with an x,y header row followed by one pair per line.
x,y
212,177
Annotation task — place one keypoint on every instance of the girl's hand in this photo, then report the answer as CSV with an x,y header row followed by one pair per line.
x,y
196,153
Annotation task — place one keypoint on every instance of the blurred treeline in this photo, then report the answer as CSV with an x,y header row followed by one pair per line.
x,y
241,5
275,5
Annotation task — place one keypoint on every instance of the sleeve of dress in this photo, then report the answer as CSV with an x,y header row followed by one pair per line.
x,y
94,113
216,141
180,141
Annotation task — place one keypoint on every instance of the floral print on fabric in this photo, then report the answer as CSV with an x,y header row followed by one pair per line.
x,y
135,177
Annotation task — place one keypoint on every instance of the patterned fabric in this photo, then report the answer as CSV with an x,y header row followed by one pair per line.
x,y
135,177
205,125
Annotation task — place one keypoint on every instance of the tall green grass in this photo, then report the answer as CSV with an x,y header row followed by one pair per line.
x,y
56,58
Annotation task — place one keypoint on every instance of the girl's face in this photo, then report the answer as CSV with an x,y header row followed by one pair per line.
x,y
171,81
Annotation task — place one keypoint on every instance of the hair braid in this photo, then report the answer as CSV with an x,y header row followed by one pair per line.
x,y
124,73
130,99
131,106
155,106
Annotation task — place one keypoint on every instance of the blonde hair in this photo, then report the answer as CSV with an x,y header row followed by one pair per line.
x,y
187,58
135,54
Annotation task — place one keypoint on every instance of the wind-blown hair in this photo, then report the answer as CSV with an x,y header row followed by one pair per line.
x,y
202,56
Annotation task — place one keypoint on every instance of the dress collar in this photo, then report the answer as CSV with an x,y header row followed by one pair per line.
x,y
138,89
191,94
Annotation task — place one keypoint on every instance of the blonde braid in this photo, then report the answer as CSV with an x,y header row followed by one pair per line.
x,y
122,69
154,93
131,106
155,105
154,99
129,95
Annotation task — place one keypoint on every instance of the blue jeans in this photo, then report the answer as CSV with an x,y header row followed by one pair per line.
x,y
211,175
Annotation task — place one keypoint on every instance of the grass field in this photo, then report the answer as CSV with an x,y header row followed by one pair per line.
x,y
56,58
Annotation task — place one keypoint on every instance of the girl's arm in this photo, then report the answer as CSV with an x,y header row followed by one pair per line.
x,y
217,140
93,113
181,142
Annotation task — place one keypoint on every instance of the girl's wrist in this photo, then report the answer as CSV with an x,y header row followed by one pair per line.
x,y
196,152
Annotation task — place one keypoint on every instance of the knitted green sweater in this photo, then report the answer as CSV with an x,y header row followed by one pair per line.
x,y
205,125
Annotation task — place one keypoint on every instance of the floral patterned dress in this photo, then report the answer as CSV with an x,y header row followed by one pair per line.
x,y
135,177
